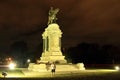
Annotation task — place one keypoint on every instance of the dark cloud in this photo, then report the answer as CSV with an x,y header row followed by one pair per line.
x,y
80,20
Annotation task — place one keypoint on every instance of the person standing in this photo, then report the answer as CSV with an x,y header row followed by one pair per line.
x,y
53,68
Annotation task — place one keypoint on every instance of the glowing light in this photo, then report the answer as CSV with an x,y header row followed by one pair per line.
x,y
117,67
28,60
12,65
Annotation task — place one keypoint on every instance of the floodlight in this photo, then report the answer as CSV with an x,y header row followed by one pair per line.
x,y
28,60
12,65
117,67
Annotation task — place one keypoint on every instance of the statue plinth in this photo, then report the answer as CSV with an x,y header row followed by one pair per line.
x,y
52,45
52,52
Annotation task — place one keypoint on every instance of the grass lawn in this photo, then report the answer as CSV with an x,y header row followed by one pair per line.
x,y
96,74
11,73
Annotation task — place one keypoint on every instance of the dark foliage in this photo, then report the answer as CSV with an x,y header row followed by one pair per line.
x,y
94,54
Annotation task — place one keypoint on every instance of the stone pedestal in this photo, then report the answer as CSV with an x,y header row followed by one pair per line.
x,y
59,67
52,45
52,52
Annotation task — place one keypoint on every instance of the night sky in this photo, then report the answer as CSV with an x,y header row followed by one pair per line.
x,y
91,21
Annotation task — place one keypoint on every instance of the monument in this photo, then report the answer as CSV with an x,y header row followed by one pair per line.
x,y
52,45
52,40
52,48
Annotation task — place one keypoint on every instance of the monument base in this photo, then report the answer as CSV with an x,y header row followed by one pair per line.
x,y
54,56
59,67
56,59
37,67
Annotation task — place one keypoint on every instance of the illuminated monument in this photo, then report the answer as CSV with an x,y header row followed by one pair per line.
x,y
52,40
52,45
52,48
